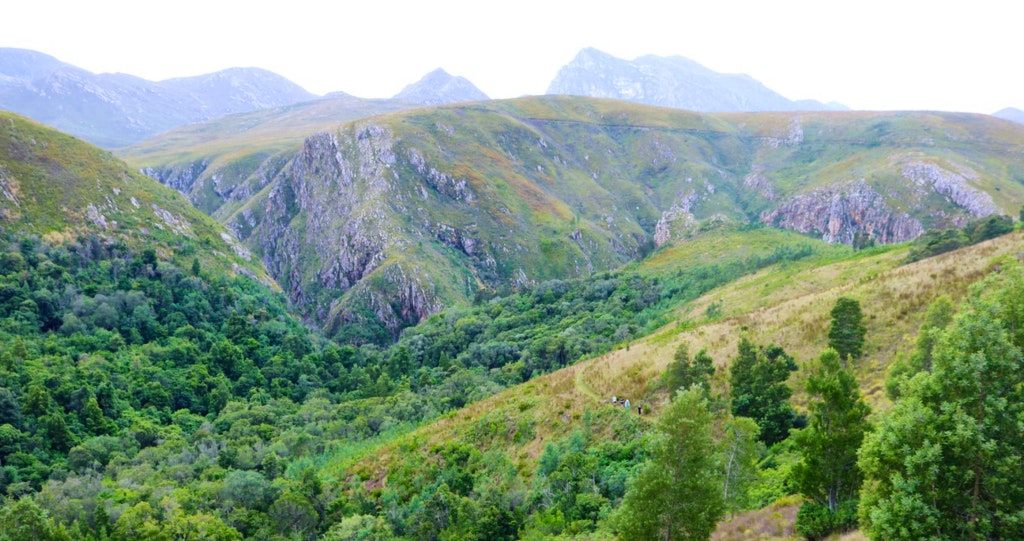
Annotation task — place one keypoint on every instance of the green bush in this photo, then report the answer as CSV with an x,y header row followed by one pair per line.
x,y
815,521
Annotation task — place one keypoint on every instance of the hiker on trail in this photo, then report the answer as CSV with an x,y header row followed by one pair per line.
x,y
615,400
639,410
627,403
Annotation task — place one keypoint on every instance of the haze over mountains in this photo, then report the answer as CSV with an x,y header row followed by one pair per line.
x,y
439,88
115,109
673,81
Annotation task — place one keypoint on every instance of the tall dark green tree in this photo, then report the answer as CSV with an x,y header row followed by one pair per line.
x,y
759,390
846,332
936,319
682,371
827,474
678,494
945,463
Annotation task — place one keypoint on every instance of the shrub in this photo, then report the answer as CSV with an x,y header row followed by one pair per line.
x,y
815,521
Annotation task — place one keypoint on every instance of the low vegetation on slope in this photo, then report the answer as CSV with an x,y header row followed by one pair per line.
x,y
221,163
107,430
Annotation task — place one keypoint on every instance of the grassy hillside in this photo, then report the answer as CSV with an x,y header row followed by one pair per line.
x,y
787,304
236,150
59,188
142,393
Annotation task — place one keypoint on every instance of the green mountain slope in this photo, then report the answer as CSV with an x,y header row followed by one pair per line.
x,y
382,221
224,162
59,188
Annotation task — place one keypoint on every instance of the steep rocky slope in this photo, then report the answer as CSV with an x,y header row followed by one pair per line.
x,y
114,109
670,82
385,220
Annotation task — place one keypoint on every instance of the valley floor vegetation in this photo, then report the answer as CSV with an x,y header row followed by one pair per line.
x,y
143,398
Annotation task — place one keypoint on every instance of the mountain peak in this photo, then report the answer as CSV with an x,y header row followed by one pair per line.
x,y
673,81
438,88
1010,113
116,109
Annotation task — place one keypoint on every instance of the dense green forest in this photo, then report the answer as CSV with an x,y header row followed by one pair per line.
x,y
132,389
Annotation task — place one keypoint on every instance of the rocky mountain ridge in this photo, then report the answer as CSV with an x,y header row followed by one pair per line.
x,y
385,220
114,109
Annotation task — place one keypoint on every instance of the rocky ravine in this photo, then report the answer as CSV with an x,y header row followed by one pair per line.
x,y
386,221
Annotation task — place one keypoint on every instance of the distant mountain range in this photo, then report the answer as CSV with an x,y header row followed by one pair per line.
x,y
117,110
671,81
114,110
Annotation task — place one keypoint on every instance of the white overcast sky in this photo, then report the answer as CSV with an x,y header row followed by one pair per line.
x,y
895,54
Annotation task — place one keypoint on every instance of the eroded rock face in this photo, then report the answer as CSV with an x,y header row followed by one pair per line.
x,y
389,219
182,179
838,214
341,211
952,184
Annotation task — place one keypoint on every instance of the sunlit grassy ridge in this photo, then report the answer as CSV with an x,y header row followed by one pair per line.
x,y
236,149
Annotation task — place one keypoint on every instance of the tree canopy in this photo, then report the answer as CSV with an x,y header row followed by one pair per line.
x,y
678,494
759,390
846,332
945,462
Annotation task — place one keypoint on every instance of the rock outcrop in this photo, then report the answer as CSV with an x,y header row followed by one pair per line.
x,y
837,214
382,222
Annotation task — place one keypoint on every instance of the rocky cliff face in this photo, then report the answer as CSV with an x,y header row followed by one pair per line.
x,y
384,221
330,223
839,213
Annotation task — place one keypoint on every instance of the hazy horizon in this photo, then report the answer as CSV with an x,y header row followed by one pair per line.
x,y
868,55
